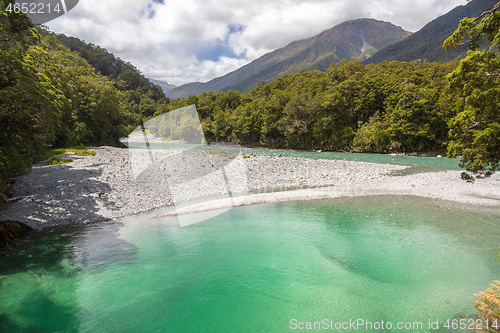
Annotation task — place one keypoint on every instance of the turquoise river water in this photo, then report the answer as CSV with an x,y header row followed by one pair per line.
x,y
417,164
265,268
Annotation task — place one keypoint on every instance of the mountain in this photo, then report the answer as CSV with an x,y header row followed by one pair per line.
x,y
350,40
427,43
166,87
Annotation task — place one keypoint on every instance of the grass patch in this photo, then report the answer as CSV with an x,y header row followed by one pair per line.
x,y
58,151
246,156
215,152
85,152
78,150
58,161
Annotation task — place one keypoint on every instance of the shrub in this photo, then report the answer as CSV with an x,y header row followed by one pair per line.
x,y
58,161
488,305
85,152
466,176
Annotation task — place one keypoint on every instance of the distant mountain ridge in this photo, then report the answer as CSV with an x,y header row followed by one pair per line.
x,y
357,39
165,86
427,43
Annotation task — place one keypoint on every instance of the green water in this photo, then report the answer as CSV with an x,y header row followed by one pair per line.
x,y
255,269
417,164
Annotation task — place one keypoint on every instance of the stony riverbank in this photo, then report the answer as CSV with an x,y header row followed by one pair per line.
x,y
122,182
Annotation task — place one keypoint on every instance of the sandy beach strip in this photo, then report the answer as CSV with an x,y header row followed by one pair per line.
x,y
122,182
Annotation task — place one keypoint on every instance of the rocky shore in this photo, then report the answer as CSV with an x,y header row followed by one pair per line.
x,y
122,182
10,230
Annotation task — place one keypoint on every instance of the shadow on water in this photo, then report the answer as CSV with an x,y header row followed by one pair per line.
x,y
39,274
66,250
31,259
8,325
57,317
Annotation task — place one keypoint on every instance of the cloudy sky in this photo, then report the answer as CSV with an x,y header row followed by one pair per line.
x,y
181,41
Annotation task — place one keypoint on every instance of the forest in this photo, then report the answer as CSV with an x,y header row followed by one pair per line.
x,y
451,108
58,91
391,107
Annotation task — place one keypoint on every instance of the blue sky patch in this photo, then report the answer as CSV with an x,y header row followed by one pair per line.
x,y
150,12
235,28
213,51
219,48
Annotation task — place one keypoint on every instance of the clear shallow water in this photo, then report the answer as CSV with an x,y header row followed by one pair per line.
x,y
253,269
417,164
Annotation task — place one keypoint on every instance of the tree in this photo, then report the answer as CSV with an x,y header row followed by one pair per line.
x,y
28,99
50,96
475,131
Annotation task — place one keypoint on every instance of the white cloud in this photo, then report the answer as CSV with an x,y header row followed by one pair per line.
x,y
181,41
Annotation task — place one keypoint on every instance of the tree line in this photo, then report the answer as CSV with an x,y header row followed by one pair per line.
x,y
58,91
51,96
390,107
453,107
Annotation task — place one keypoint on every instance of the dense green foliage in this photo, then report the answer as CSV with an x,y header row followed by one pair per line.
x,y
139,96
390,107
52,97
21,134
58,91
475,131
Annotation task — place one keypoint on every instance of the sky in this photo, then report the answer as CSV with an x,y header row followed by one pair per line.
x,y
182,41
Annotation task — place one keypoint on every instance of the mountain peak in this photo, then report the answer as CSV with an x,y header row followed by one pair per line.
x,y
356,39
369,35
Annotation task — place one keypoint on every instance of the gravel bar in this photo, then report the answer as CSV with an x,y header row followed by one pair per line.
x,y
122,182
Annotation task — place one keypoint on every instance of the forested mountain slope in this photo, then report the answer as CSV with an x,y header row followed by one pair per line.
x,y
390,107
141,94
427,43
51,96
350,40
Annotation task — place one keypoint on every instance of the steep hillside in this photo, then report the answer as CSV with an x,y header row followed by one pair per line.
x,y
140,95
350,40
51,97
427,43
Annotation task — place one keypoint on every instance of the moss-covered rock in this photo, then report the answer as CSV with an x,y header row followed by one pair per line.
x,y
10,230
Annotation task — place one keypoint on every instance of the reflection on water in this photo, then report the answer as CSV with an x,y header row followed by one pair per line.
x,y
253,269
